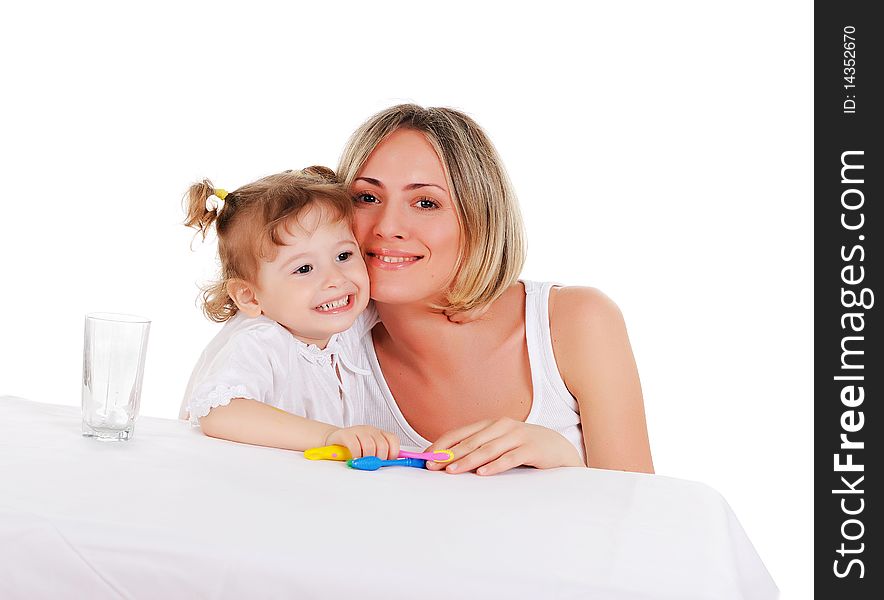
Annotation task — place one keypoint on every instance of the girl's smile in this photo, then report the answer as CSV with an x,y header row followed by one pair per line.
x,y
339,305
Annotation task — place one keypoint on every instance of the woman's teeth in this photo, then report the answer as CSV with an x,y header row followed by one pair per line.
x,y
396,259
333,305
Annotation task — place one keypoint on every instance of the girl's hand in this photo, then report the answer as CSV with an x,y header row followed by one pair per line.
x,y
495,446
364,440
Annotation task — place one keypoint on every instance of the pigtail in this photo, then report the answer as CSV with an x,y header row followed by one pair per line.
x,y
203,205
217,305
201,214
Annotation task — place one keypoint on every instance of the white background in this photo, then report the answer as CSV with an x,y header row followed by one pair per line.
x,y
661,151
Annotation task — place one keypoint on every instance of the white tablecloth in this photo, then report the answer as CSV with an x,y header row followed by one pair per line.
x,y
175,514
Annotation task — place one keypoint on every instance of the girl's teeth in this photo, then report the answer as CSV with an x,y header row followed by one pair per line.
x,y
397,259
336,304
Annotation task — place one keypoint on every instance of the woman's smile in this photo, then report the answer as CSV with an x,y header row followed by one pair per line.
x,y
390,260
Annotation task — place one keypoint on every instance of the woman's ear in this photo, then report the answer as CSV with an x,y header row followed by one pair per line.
x,y
243,295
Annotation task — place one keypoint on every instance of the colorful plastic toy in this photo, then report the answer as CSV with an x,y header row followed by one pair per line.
x,y
328,453
439,456
341,453
373,463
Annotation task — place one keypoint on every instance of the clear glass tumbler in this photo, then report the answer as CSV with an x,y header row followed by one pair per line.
x,y
114,349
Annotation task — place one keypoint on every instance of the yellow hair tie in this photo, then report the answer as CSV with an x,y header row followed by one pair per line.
x,y
221,193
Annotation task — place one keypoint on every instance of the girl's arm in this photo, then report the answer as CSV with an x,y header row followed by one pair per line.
x,y
595,361
253,422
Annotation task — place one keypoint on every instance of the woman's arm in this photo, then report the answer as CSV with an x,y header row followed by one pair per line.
x,y
252,422
497,445
595,361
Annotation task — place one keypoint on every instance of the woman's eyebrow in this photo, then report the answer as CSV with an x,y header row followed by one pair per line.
x,y
409,187
414,186
372,181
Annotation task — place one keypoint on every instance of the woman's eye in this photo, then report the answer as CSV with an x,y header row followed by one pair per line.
x,y
365,198
303,270
426,203
344,256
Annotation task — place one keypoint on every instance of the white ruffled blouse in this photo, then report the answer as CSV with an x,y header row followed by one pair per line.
x,y
257,358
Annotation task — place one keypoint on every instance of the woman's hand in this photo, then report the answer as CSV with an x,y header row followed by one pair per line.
x,y
364,440
495,446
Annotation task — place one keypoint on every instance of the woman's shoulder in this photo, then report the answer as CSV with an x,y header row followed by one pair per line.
x,y
584,323
580,305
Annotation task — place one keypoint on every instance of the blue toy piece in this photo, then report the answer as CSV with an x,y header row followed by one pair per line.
x,y
373,463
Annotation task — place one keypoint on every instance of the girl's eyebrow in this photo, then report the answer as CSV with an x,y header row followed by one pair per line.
x,y
407,188
287,262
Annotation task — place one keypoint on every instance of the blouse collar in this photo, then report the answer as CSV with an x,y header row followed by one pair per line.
x,y
332,354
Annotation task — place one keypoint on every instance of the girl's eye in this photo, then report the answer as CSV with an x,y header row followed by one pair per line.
x,y
365,198
344,256
303,270
426,203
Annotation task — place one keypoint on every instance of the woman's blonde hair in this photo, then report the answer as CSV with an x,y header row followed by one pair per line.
x,y
492,247
249,219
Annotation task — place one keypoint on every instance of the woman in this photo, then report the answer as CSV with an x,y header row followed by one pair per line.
x,y
544,376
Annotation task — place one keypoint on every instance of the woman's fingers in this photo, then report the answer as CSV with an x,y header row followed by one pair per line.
x,y
485,453
492,431
506,443
449,438
485,444
506,461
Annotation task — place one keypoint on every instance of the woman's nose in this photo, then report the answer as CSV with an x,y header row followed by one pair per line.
x,y
390,223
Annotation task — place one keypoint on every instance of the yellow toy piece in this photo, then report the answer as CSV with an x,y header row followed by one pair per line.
x,y
334,452
445,460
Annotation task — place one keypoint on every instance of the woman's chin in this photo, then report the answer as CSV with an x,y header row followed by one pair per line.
x,y
400,294
405,296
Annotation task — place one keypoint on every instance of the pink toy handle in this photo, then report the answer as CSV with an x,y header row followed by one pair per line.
x,y
438,456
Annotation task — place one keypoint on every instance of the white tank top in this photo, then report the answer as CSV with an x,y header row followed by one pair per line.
x,y
552,406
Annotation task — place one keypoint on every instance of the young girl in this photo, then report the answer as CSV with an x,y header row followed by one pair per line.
x,y
290,264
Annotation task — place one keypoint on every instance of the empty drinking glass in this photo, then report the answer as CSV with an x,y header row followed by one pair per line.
x,y
114,349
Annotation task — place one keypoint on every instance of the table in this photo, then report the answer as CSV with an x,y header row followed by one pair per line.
x,y
176,514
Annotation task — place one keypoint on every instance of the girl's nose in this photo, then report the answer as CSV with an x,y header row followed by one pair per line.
x,y
335,276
